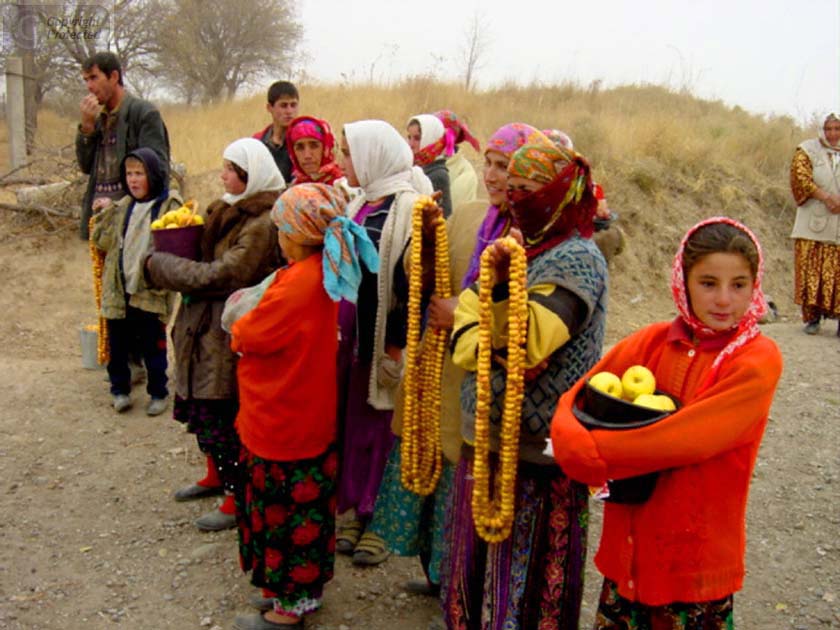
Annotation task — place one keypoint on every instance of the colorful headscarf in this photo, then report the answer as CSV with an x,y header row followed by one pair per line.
x,y
559,138
747,328
310,127
432,139
510,137
456,131
314,214
505,140
254,158
563,205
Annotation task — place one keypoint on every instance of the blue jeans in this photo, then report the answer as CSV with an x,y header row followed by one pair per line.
x,y
152,337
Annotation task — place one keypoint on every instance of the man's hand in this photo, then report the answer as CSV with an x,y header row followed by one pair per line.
x,y
89,109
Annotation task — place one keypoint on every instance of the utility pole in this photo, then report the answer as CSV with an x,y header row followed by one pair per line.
x,y
15,112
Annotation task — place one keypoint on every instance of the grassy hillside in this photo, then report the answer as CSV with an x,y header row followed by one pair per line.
x,y
665,159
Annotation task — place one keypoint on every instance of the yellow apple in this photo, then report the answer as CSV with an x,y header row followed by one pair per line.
x,y
655,401
607,382
198,219
157,224
637,380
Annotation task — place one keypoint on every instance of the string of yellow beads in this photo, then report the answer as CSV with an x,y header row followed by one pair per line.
x,y
493,509
420,449
97,257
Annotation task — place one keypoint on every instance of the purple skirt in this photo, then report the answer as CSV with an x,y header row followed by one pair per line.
x,y
364,432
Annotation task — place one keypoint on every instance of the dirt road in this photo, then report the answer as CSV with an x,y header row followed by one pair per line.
x,y
90,538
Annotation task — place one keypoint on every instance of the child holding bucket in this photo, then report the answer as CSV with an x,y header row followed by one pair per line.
x,y
131,308
286,332
676,559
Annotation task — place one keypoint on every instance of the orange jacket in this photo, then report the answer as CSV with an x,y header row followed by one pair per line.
x,y
686,543
287,372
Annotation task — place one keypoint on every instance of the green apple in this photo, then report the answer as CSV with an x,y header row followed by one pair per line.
x,y
637,380
655,401
607,382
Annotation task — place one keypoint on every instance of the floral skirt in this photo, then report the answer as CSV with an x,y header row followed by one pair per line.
x,y
285,512
412,525
617,613
817,279
534,579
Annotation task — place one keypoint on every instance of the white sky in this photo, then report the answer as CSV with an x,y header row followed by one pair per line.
x,y
773,56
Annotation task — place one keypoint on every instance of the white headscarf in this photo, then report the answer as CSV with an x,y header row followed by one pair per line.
x,y
832,150
253,157
431,128
382,160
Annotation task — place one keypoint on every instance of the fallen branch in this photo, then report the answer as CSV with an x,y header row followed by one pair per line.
x,y
31,181
35,209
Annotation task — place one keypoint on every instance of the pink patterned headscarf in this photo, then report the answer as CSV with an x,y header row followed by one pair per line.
x,y
747,328
509,138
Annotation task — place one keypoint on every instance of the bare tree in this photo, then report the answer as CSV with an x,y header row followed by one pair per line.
x,y
474,49
211,48
60,36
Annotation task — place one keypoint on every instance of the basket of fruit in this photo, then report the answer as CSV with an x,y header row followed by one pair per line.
x,y
179,231
632,401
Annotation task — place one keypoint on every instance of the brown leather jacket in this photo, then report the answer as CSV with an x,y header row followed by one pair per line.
x,y
239,248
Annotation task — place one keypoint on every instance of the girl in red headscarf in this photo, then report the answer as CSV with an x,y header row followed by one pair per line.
x,y
680,554
311,142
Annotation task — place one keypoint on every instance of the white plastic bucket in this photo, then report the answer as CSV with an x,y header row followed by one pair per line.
x,y
89,340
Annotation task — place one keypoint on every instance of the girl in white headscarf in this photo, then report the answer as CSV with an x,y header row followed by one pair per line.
x,y
428,141
377,159
238,249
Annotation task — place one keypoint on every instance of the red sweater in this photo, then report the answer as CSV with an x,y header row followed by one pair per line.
x,y
686,543
287,372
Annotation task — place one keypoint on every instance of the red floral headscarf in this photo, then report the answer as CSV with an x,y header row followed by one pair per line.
x,y
744,330
456,131
310,127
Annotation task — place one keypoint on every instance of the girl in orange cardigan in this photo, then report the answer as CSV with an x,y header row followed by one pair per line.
x,y
286,332
675,560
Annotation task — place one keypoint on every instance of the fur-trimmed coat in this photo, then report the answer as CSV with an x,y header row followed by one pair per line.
x,y
238,249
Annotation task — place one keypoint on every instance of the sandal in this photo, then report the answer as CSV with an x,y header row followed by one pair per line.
x,y
370,550
347,536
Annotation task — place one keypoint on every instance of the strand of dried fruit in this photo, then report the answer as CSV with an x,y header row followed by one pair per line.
x,y
97,257
420,449
493,508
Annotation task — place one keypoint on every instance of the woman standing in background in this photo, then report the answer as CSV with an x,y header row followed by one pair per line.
x,y
815,182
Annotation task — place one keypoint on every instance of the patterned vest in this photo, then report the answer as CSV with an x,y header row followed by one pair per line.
x,y
578,266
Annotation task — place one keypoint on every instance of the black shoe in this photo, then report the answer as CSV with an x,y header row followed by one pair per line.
x,y
422,587
258,622
195,491
263,604
812,327
215,521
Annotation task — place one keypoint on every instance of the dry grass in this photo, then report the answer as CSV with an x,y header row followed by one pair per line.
x,y
665,158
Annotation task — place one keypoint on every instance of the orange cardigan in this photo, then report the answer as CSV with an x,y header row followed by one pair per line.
x,y
287,371
686,543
